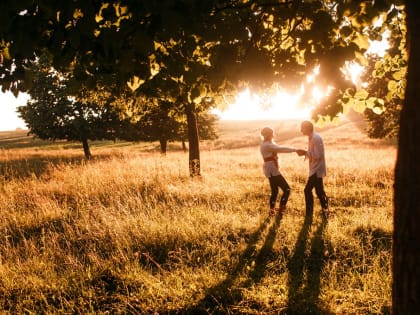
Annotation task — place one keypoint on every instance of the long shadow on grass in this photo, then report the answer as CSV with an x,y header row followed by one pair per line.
x,y
265,254
249,270
305,272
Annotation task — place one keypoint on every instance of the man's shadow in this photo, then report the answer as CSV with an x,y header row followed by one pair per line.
x,y
303,292
251,265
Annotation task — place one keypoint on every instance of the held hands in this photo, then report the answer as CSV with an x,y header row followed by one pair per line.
x,y
300,152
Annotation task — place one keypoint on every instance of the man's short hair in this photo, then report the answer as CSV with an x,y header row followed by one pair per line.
x,y
307,125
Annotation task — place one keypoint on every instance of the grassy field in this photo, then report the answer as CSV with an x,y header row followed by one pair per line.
x,y
129,232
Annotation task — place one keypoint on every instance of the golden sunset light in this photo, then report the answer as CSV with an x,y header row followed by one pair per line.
x,y
250,106
284,105
218,157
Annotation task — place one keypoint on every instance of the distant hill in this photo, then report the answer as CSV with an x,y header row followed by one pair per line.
x,y
235,134
350,130
13,134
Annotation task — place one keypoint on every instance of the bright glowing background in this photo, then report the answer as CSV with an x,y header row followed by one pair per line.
x,y
247,106
9,119
283,105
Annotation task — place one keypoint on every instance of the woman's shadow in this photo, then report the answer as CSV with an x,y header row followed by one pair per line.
x,y
249,270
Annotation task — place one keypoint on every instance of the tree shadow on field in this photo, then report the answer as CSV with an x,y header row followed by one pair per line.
x,y
304,282
249,270
39,166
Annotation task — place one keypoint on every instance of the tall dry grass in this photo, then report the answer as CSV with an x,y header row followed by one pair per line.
x,y
131,233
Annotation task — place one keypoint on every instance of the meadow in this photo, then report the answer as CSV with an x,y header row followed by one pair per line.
x,y
129,232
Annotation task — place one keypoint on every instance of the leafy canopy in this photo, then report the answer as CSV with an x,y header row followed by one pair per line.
x,y
204,46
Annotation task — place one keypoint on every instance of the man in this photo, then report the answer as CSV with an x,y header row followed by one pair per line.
x,y
317,169
269,150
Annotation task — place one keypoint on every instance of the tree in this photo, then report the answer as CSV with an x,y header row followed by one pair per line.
x,y
152,123
364,21
406,253
201,45
53,113
386,81
162,122
252,42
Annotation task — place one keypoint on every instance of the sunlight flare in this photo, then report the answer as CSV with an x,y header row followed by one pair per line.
x,y
280,106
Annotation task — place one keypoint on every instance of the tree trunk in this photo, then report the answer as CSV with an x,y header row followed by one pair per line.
x,y
163,145
406,237
86,148
194,147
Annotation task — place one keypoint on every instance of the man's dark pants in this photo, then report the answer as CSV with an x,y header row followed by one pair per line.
x,y
317,183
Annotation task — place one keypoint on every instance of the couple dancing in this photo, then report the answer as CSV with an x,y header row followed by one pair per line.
x,y
317,169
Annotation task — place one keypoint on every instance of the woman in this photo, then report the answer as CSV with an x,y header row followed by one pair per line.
x,y
269,150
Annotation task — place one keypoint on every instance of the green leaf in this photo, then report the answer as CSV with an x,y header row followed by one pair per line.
x,y
135,83
361,94
392,86
362,41
378,110
371,102
399,75
361,58
6,53
359,106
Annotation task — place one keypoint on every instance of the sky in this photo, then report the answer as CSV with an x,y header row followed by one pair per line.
x,y
246,107
9,119
249,106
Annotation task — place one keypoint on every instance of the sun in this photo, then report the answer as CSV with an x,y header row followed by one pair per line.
x,y
251,106
286,106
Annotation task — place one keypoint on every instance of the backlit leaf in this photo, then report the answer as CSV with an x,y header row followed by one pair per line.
x,y
361,94
392,85
135,83
399,75
362,41
371,102
359,106
378,110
